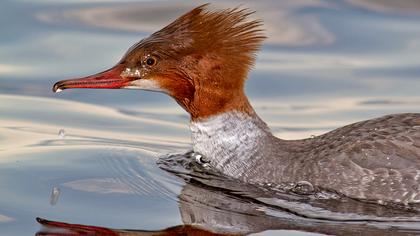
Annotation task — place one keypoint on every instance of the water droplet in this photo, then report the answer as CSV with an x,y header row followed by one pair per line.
x,y
55,194
303,187
62,133
198,158
312,136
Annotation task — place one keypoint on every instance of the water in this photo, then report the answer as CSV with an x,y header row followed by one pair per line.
x,y
103,157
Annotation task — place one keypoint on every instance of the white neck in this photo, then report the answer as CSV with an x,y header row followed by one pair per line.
x,y
230,141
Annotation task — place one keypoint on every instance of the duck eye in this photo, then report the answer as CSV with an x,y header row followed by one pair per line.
x,y
150,61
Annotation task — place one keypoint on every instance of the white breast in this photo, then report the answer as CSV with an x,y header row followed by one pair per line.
x,y
230,140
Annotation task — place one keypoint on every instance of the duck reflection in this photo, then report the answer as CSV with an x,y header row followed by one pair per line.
x,y
211,204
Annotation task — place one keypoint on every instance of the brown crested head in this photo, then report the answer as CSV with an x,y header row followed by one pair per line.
x,y
201,59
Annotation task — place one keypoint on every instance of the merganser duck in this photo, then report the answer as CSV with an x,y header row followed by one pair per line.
x,y
202,60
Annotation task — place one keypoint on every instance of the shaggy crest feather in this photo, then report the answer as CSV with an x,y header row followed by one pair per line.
x,y
225,35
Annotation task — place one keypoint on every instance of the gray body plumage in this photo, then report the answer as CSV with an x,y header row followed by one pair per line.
x,y
374,160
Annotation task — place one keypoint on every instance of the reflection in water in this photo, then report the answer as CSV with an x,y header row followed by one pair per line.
x,y
54,228
283,27
390,6
326,64
213,204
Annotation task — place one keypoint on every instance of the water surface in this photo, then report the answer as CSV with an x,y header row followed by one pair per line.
x,y
91,156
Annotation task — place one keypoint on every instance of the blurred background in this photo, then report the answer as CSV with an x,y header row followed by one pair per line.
x,y
325,64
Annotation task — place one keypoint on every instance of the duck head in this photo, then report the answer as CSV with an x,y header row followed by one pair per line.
x,y
201,59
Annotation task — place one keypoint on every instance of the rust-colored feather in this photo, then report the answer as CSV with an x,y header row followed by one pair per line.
x,y
226,33
205,57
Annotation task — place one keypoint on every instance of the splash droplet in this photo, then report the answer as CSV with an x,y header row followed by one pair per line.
x,y
55,194
198,158
312,136
62,134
